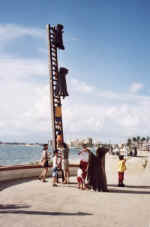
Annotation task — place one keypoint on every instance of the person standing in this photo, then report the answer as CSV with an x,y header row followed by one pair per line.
x,y
44,162
65,162
59,166
135,151
84,158
80,178
121,170
55,168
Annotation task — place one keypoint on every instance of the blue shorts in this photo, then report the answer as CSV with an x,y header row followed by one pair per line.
x,y
54,172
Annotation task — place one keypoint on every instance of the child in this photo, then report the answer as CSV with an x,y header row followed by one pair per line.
x,y
59,166
55,167
121,170
80,178
84,158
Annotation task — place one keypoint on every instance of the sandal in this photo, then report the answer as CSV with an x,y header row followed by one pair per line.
x,y
44,181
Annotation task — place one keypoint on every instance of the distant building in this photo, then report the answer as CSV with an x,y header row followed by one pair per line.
x,y
79,142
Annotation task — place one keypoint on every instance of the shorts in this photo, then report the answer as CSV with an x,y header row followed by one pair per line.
x,y
65,164
54,172
46,164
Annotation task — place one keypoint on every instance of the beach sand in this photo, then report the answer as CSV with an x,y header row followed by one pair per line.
x,y
31,203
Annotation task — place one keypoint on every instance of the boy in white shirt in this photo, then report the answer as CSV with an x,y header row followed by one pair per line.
x,y
55,167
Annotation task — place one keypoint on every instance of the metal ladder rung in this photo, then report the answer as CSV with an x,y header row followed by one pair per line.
x,y
54,56
54,60
53,51
57,98
53,47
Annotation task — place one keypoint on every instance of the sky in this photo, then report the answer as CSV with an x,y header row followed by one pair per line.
x,y
107,52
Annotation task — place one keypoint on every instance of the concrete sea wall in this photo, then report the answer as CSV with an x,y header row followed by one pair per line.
x,y
27,171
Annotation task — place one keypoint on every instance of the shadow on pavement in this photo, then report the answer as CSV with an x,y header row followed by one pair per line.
x,y
140,156
6,184
43,213
14,206
128,191
134,186
72,183
131,186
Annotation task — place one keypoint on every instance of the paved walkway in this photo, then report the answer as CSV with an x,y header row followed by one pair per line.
x,y
31,203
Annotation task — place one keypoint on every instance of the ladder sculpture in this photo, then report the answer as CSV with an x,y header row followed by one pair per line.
x,y
55,33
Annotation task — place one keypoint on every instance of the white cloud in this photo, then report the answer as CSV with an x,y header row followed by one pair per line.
x,y
75,39
135,87
80,86
106,115
25,106
22,69
12,31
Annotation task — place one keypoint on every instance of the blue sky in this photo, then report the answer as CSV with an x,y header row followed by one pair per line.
x,y
107,53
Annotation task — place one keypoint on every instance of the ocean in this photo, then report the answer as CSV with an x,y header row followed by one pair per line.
x,y
20,154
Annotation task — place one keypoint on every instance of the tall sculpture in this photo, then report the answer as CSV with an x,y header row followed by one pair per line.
x,y
57,80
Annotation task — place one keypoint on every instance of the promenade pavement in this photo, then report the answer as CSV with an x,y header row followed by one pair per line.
x,y
31,203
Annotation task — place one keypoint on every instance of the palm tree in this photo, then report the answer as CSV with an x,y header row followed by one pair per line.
x,y
134,139
129,142
143,139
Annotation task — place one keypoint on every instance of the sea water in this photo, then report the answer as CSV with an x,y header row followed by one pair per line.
x,y
20,154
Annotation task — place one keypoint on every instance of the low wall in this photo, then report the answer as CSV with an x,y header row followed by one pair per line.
x,y
27,171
